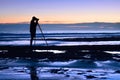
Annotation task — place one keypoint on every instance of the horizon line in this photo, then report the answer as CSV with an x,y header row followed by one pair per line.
x,y
58,23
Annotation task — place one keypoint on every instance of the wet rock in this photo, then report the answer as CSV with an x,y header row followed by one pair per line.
x,y
80,73
67,75
65,70
2,68
20,71
117,71
60,72
90,77
54,70
103,78
89,71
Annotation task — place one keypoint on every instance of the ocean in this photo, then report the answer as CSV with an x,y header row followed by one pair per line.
x,y
60,34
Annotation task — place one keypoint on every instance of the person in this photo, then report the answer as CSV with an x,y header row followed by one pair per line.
x,y
33,25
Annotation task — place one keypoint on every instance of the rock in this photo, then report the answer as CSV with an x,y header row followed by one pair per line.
x,y
65,70
60,72
117,71
2,68
103,78
54,70
80,73
67,75
89,71
90,77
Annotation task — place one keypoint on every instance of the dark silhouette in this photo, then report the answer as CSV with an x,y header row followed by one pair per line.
x,y
33,73
33,25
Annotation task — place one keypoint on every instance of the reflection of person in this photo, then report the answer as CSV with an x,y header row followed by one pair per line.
x,y
33,25
33,73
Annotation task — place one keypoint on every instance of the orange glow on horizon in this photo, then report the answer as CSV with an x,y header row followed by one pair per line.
x,y
62,20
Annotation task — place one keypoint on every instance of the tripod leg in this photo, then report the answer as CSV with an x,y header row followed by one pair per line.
x,y
43,35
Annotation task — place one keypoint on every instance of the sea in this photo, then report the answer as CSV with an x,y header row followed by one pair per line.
x,y
59,35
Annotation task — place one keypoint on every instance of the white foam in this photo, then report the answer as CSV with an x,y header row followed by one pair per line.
x,y
113,52
90,43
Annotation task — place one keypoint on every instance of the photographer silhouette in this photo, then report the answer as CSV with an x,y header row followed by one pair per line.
x,y
33,25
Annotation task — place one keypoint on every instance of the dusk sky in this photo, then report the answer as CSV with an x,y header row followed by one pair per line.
x,y
60,11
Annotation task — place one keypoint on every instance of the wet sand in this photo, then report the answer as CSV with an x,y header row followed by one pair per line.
x,y
86,62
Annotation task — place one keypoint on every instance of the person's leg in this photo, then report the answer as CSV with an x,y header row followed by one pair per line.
x,y
31,40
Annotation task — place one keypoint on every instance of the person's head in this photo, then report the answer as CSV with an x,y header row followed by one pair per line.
x,y
34,18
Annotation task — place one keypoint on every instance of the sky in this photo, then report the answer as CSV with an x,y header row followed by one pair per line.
x,y
60,11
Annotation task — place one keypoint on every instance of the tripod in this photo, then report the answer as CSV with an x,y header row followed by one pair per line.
x,y
42,34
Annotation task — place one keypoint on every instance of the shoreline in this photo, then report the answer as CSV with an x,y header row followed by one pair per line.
x,y
92,52
74,47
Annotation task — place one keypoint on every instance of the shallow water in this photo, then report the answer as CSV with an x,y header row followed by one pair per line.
x,y
66,70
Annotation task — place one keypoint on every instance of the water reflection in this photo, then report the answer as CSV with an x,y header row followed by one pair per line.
x,y
33,73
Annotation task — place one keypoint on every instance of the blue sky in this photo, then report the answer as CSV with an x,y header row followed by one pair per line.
x,y
60,11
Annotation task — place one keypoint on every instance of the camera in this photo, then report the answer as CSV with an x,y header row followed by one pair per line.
x,y
34,18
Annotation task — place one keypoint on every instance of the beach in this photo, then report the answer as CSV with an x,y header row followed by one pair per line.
x,y
60,40
68,56
86,62
19,69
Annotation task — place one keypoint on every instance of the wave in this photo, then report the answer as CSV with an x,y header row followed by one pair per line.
x,y
62,38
